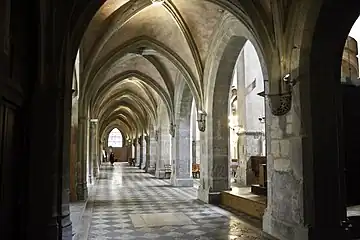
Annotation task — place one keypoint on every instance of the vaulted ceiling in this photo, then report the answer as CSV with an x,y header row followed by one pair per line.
x,y
135,52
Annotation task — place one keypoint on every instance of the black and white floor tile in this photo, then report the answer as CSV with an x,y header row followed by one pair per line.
x,y
123,194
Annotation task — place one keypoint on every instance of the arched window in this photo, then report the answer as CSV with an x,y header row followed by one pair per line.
x,y
115,138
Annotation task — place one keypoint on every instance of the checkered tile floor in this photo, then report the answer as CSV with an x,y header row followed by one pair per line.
x,y
122,191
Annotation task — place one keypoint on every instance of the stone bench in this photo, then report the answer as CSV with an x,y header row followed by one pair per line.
x,y
196,170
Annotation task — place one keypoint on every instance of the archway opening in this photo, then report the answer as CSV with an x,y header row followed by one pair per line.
x,y
115,139
350,93
238,138
195,146
247,154
326,120
117,144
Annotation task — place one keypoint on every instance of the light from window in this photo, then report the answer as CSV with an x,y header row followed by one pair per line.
x,y
115,138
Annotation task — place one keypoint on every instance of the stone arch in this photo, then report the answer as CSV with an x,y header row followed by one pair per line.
x,y
125,102
121,133
182,143
219,70
119,125
131,115
145,42
124,97
327,26
143,78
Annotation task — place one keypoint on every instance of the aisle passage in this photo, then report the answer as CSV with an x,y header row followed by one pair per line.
x,y
130,204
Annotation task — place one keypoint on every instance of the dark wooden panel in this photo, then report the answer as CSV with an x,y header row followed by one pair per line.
x,y
351,133
8,184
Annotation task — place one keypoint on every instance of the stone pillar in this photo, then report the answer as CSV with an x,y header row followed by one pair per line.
x,y
144,143
88,153
94,148
243,158
137,149
164,152
65,222
153,145
81,170
133,150
214,158
181,157
141,151
73,148
147,153
198,151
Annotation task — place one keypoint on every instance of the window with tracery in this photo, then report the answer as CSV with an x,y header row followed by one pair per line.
x,y
115,138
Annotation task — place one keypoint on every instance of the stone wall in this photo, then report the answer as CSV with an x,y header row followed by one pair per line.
x,y
284,216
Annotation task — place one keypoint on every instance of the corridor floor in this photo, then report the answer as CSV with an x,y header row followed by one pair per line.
x,y
129,204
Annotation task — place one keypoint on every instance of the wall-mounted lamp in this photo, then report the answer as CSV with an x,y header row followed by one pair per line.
x,y
262,119
238,129
280,103
156,135
172,129
201,119
94,120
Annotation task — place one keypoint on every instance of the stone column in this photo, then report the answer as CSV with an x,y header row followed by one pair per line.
x,y
65,222
153,146
73,148
81,171
214,158
94,155
137,150
181,175
147,153
141,151
243,158
144,143
88,153
164,152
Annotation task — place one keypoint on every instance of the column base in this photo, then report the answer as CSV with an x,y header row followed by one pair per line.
x,y
160,174
82,191
182,182
151,170
66,228
95,173
206,196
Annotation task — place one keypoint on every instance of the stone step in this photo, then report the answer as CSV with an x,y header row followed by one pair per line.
x,y
242,200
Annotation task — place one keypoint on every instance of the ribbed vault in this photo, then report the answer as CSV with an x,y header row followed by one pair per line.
x,y
136,53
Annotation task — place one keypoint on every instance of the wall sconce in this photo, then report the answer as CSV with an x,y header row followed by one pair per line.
x,y
239,130
157,135
172,129
201,119
262,119
280,103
